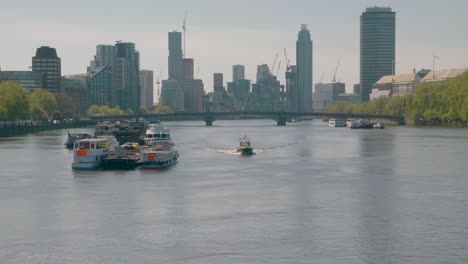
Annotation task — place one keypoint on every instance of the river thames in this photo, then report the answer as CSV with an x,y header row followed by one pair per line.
x,y
312,194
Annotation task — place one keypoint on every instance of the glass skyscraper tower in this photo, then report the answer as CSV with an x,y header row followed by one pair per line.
x,y
304,70
377,47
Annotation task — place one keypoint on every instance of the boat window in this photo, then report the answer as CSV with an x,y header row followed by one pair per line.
x,y
93,146
101,145
84,145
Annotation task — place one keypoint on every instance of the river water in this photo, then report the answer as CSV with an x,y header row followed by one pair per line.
x,y
312,194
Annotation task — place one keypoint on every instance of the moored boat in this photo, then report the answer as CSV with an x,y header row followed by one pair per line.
x,y
336,123
361,124
159,150
88,154
72,137
379,125
125,157
244,147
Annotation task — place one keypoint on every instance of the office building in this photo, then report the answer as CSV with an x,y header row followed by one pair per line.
x,y
377,56
263,71
27,79
47,62
349,98
172,95
146,89
304,70
193,89
75,90
291,88
324,95
218,82
238,73
175,55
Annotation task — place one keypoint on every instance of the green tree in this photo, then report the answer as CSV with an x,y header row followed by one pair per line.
x,y
14,101
163,109
42,99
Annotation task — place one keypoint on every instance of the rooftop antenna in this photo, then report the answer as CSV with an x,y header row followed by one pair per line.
x,y
321,79
184,28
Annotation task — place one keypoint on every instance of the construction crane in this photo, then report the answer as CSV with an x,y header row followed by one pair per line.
x,y
184,28
274,63
279,65
336,70
158,82
286,59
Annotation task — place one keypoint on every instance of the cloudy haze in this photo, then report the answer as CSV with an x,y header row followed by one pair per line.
x,y
223,33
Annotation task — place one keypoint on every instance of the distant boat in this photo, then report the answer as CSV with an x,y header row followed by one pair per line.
x,y
361,124
336,123
245,148
379,125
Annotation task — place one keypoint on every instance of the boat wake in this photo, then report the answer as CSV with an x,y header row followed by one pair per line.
x,y
234,151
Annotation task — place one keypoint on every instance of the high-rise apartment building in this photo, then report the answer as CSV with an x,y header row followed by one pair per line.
x,y
238,73
377,47
126,77
304,70
146,89
105,55
47,62
100,86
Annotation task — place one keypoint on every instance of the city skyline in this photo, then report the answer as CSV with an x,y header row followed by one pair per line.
x,y
211,31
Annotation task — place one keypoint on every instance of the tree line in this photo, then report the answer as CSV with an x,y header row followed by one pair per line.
x,y
17,103
437,102
105,110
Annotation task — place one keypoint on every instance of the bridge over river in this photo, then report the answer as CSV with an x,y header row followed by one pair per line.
x,y
280,117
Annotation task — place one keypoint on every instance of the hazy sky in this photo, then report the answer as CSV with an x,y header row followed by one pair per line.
x,y
222,33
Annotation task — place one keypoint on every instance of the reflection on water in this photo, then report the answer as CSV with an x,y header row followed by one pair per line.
x,y
313,194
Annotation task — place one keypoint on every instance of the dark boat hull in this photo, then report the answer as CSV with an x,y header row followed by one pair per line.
x,y
245,151
120,164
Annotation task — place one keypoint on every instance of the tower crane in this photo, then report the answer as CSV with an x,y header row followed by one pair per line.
x,y
286,59
274,63
279,65
158,82
336,70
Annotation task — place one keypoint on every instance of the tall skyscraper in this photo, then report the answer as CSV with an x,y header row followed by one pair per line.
x,y
172,91
218,83
377,47
47,62
304,70
126,77
175,55
193,89
238,73
146,89
263,71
